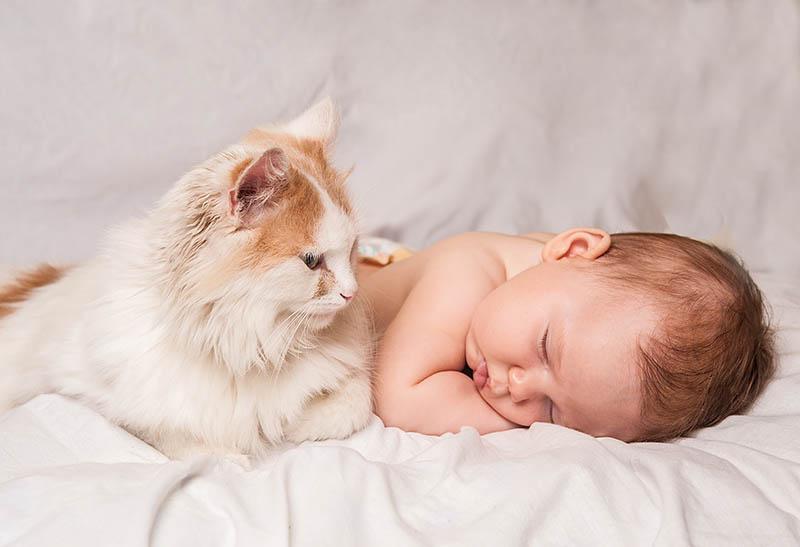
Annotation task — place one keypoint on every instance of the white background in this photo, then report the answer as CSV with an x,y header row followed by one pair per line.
x,y
676,116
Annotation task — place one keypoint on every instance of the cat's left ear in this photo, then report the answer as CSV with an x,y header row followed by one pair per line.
x,y
259,186
320,123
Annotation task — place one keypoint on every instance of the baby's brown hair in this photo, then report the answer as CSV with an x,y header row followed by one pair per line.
x,y
711,353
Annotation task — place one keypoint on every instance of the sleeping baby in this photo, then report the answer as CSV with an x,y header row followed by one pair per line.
x,y
635,336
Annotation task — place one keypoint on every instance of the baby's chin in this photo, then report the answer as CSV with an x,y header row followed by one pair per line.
x,y
508,410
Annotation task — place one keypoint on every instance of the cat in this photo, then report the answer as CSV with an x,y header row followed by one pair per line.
x,y
225,321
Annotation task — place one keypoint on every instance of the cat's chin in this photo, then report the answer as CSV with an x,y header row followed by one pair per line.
x,y
321,320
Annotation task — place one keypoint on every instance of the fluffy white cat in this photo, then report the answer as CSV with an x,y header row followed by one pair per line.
x,y
224,321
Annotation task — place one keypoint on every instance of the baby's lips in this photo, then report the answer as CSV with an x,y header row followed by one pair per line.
x,y
480,375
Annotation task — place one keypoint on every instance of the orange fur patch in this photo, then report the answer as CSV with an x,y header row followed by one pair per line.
x,y
286,231
309,156
289,229
326,282
21,288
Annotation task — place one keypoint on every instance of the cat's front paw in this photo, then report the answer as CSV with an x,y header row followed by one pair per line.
x,y
324,426
335,415
178,447
242,460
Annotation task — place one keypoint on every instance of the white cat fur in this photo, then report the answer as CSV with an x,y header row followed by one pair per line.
x,y
192,357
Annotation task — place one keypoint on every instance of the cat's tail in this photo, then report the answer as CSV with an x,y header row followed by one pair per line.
x,y
16,289
20,381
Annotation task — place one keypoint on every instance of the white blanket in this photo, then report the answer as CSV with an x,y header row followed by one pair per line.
x,y
676,116
68,477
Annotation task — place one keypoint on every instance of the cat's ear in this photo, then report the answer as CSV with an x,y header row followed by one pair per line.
x,y
320,122
259,186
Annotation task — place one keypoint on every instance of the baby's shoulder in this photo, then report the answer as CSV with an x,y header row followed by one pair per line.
x,y
466,255
500,256
538,237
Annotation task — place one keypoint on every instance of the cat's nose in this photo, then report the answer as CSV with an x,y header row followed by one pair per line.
x,y
348,288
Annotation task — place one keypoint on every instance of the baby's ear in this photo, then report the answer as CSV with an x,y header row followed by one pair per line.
x,y
259,186
320,123
586,243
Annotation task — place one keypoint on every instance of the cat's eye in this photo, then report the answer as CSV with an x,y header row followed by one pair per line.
x,y
311,260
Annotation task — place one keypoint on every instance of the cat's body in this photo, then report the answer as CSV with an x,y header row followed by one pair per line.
x,y
220,323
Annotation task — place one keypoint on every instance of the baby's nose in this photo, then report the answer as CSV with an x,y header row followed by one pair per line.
x,y
516,375
519,387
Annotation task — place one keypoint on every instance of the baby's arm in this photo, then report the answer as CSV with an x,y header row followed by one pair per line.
x,y
420,386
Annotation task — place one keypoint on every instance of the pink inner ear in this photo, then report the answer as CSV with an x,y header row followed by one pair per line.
x,y
260,184
232,201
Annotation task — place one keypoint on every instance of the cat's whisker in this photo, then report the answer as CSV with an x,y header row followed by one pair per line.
x,y
291,323
284,326
291,348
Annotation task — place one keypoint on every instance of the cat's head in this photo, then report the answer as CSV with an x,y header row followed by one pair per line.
x,y
263,235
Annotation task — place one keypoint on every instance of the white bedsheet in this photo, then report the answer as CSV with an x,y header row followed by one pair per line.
x,y
669,116
68,477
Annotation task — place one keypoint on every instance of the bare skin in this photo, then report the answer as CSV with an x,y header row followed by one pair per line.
x,y
487,300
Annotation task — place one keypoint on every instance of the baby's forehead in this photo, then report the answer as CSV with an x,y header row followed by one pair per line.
x,y
626,290
604,326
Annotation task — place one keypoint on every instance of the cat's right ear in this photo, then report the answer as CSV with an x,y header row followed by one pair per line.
x,y
259,186
320,123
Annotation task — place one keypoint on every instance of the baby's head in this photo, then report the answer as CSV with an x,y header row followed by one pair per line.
x,y
711,351
636,336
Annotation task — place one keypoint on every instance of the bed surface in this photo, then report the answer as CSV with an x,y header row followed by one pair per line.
x,y
659,116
